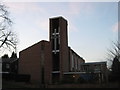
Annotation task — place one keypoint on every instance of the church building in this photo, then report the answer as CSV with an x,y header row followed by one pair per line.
x,y
47,61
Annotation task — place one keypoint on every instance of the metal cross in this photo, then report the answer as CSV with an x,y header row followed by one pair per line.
x,y
55,40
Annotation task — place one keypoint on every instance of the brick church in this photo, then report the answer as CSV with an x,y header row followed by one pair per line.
x,y
47,62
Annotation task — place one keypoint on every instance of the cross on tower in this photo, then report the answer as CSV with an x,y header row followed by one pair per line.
x,y
55,36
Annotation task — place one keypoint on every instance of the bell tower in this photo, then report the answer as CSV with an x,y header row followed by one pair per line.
x,y
59,47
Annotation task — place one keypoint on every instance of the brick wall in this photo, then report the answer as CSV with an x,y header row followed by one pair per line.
x,y
33,60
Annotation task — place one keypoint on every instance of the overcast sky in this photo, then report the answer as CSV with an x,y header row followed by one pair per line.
x,y
92,26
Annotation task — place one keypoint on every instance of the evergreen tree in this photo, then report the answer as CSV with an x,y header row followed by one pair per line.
x,y
5,56
116,69
14,55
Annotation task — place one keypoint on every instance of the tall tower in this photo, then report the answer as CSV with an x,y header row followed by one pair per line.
x,y
59,47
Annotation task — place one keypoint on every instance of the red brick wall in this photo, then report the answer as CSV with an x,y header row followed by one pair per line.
x,y
31,60
48,64
64,46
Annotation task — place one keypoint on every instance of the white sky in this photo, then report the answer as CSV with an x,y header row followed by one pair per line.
x,y
91,26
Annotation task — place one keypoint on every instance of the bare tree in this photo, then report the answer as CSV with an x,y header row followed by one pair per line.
x,y
114,58
8,39
114,52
